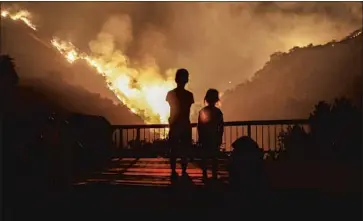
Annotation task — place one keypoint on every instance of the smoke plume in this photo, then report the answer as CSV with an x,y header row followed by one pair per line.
x,y
222,44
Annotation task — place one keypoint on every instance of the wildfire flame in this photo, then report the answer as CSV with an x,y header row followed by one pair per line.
x,y
22,15
142,90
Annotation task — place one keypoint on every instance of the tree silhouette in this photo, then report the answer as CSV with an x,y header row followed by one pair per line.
x,y
346,128
295,143
8,77
8,72
321,127
335,132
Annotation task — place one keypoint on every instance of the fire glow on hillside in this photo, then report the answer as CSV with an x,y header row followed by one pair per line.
x,y
22,15
142,90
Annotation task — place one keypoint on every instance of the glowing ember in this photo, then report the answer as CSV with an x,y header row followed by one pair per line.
x,y
356,34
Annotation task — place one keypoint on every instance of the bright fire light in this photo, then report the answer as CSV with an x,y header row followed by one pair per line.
x,y
21,15
142,90
144,94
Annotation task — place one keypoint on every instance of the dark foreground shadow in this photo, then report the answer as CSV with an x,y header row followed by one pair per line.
x,y
87,201
110,198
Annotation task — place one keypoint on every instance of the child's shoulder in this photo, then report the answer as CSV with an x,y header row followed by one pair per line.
x,y
203,109
189,93
211,108
217,109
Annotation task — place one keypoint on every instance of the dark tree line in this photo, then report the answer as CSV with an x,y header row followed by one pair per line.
x,y
335,133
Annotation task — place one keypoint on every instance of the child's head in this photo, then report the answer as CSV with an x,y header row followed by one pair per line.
x,y
182,77
212,97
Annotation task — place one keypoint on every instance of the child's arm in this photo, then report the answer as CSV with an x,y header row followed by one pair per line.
x,y
199,129
221,128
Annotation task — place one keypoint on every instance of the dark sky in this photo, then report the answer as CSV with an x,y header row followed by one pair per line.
x,y
218,42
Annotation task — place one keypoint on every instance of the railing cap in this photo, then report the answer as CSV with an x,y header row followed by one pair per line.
x,y
229,123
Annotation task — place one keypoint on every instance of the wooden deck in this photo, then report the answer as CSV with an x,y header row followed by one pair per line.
x,y
148,172
133,184
155,172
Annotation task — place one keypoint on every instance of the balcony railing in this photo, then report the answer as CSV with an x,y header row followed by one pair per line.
x,y
265,133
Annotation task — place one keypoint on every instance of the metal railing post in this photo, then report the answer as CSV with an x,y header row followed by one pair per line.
x,y
138,135
152,127
121,142
249,130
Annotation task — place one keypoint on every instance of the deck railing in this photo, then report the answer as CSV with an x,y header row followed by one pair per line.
x,y
265,132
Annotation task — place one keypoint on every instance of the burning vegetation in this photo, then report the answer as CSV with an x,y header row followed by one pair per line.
x,y
142,90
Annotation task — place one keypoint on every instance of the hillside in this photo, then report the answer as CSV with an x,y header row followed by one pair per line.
x,y
78,100
41,68
290,84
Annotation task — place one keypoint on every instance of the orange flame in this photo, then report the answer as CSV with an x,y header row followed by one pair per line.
x,y
143,91
22,15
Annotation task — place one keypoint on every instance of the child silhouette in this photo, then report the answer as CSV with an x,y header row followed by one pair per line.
x,y
210,131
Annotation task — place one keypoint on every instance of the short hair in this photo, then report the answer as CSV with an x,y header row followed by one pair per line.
x,y
212,96
182,76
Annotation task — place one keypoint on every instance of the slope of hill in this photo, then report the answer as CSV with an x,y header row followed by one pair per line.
x,y
290,84
77,88
79,100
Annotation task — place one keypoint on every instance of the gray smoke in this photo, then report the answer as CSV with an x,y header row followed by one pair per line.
x,y
218,42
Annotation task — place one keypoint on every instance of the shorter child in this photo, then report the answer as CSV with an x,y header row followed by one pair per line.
x,y
210,131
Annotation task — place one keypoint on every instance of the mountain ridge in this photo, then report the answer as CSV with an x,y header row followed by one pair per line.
x,y
290,83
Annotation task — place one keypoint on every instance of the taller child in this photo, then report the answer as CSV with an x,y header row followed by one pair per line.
x,y
180,134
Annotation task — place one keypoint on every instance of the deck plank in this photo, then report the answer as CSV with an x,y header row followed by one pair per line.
x,y
146,172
